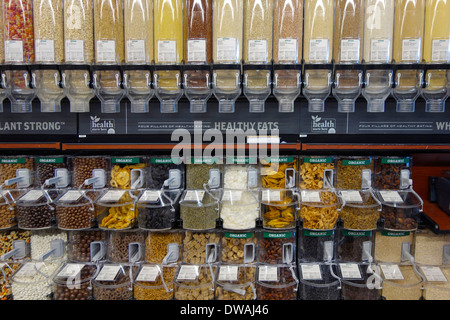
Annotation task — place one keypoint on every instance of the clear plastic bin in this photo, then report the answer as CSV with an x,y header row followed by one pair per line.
x,y
75,209
389,245
154,282
319,209
319,281
235,282
199,209
279,208
126,246
7,240
365,287
114,282
239,247
33,280
48,244
166,172
116,209
436,286
129,172
8,211
158,210
316,172
201,172
387,172
354,173
82,169
239,209
79,246
317,245
356,245
9,166
279,172
35,209
241,173
400,209
7,271
46,166
361,210
276,282
195,282
276,247
73,281
163,247
405,284
201,247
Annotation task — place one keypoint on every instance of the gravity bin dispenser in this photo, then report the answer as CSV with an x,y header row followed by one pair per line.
x,y
317,81
48,85
227,86
287,83
77,83
20,89
137,82
378,82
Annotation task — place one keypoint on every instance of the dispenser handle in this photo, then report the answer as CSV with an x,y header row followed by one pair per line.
x,y
97,249
19,251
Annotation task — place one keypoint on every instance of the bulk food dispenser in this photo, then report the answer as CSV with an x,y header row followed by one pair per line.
x,y
138,53
287,52
348,35
318,52
79,53
258,26
197,53
49,44
109,53
408,44
435,51
378,42
19,53
168,42
227,52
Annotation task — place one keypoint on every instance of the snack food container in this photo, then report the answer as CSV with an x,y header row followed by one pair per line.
x,y
201,172
126,246
361,210
158,209
318,281
400,209
9,167
276,282
235,282
154,282
436,286
355,245
239,247
279,172
353,173
128,172
195,282
8,211
83,167
319,209
114,282
73,281
362,282
201,247
239,209
116,209
279,208
276,247
163,247
316,245
166,172
199,209
316,172
75,209
79,246
405,283
7,271
33,280
46,166
388,172
35,209
390,244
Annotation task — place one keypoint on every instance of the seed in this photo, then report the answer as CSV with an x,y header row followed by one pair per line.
x,y
138,39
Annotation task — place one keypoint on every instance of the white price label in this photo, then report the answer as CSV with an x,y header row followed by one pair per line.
x,y
440,50
380,50
167,51
392,272
71,270
196,50
391,196
108,273
271,196
433,274
32,195
351,196
228,273
257,51
112,195
310,196
188,273
350,271
74,50
13,51
232,195
411,49
288,50
148,274
311,272
318,50
150,196
227,49
268,273
106,51
30,269
350,49
72,195
136,50
194,195
45,50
